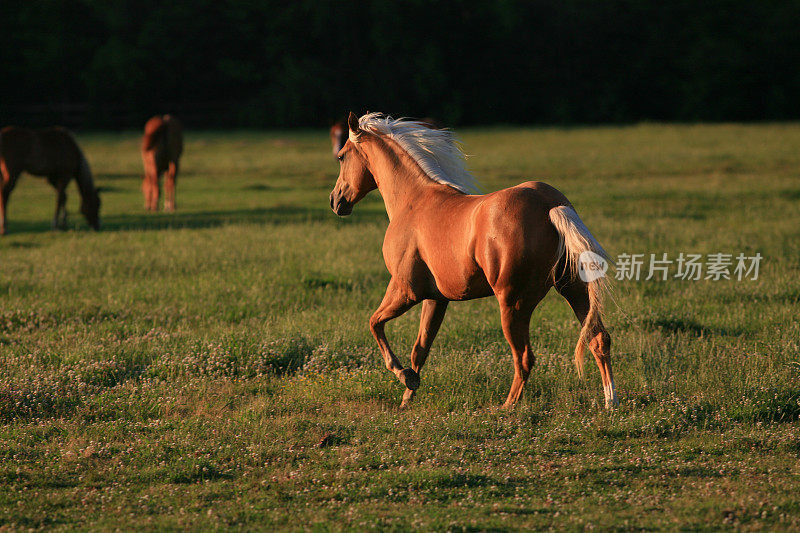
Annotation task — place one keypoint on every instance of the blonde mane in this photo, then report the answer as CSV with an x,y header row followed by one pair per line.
x,y
437,152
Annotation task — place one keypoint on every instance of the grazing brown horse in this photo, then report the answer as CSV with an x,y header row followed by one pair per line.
x,y
54,154
444,244
338,134
162,145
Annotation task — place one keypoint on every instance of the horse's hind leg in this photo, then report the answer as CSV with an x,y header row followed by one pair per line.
x,y
577,294
7,182
431,318
150,181
5,192
2,211
169,186
515,317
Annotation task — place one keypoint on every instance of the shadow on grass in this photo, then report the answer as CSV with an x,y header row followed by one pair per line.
x,y
465,480
22,244
277,215
275,188
691,327
199,473
101,177
214,218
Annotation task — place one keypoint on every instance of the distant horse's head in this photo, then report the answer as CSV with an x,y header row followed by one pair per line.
x,y
355,179
90,208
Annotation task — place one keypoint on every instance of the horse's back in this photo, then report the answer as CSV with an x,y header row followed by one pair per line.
x,y
174,137
164,135
518,208
469,243
531,194
153,131
512,236
43,152
15,147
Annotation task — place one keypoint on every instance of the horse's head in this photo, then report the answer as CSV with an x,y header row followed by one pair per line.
x,y
355,179
90,208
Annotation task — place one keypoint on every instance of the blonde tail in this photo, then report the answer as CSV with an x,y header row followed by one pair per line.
x,y
575,240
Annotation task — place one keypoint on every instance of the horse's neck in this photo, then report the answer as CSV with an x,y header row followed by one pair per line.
x,y
401,181
85,182
84,175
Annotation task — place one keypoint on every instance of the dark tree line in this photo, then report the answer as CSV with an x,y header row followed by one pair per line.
x,y
224,63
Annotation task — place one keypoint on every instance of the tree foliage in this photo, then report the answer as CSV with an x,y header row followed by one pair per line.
x,y
303,63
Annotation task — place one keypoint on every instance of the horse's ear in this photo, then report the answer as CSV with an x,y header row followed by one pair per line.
x,y
352,124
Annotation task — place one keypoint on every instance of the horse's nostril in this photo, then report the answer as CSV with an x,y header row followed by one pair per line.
x,y
331,199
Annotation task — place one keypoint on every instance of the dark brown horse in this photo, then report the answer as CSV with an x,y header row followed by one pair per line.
x,y
445,244
162,145
54,154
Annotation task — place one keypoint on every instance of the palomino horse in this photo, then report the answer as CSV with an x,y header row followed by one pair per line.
x,y
443,244
53,153
162,145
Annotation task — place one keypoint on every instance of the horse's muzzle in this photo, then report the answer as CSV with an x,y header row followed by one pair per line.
x,y
341,206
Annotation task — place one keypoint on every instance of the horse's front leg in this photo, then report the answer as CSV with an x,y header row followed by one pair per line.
x,y
431,318
60,216
396,302
169,186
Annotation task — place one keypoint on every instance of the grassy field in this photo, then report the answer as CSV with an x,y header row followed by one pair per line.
x,y
213,367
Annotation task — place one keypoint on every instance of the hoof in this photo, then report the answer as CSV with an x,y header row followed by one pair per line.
x,y
409,378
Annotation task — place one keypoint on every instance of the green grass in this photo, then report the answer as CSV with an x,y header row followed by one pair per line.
x,y
181,370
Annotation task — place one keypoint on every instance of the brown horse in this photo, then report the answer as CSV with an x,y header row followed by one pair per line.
x,y
162,145
54,154
443,244
338,134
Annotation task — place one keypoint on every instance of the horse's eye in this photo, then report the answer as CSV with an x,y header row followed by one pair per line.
x,y
340,157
